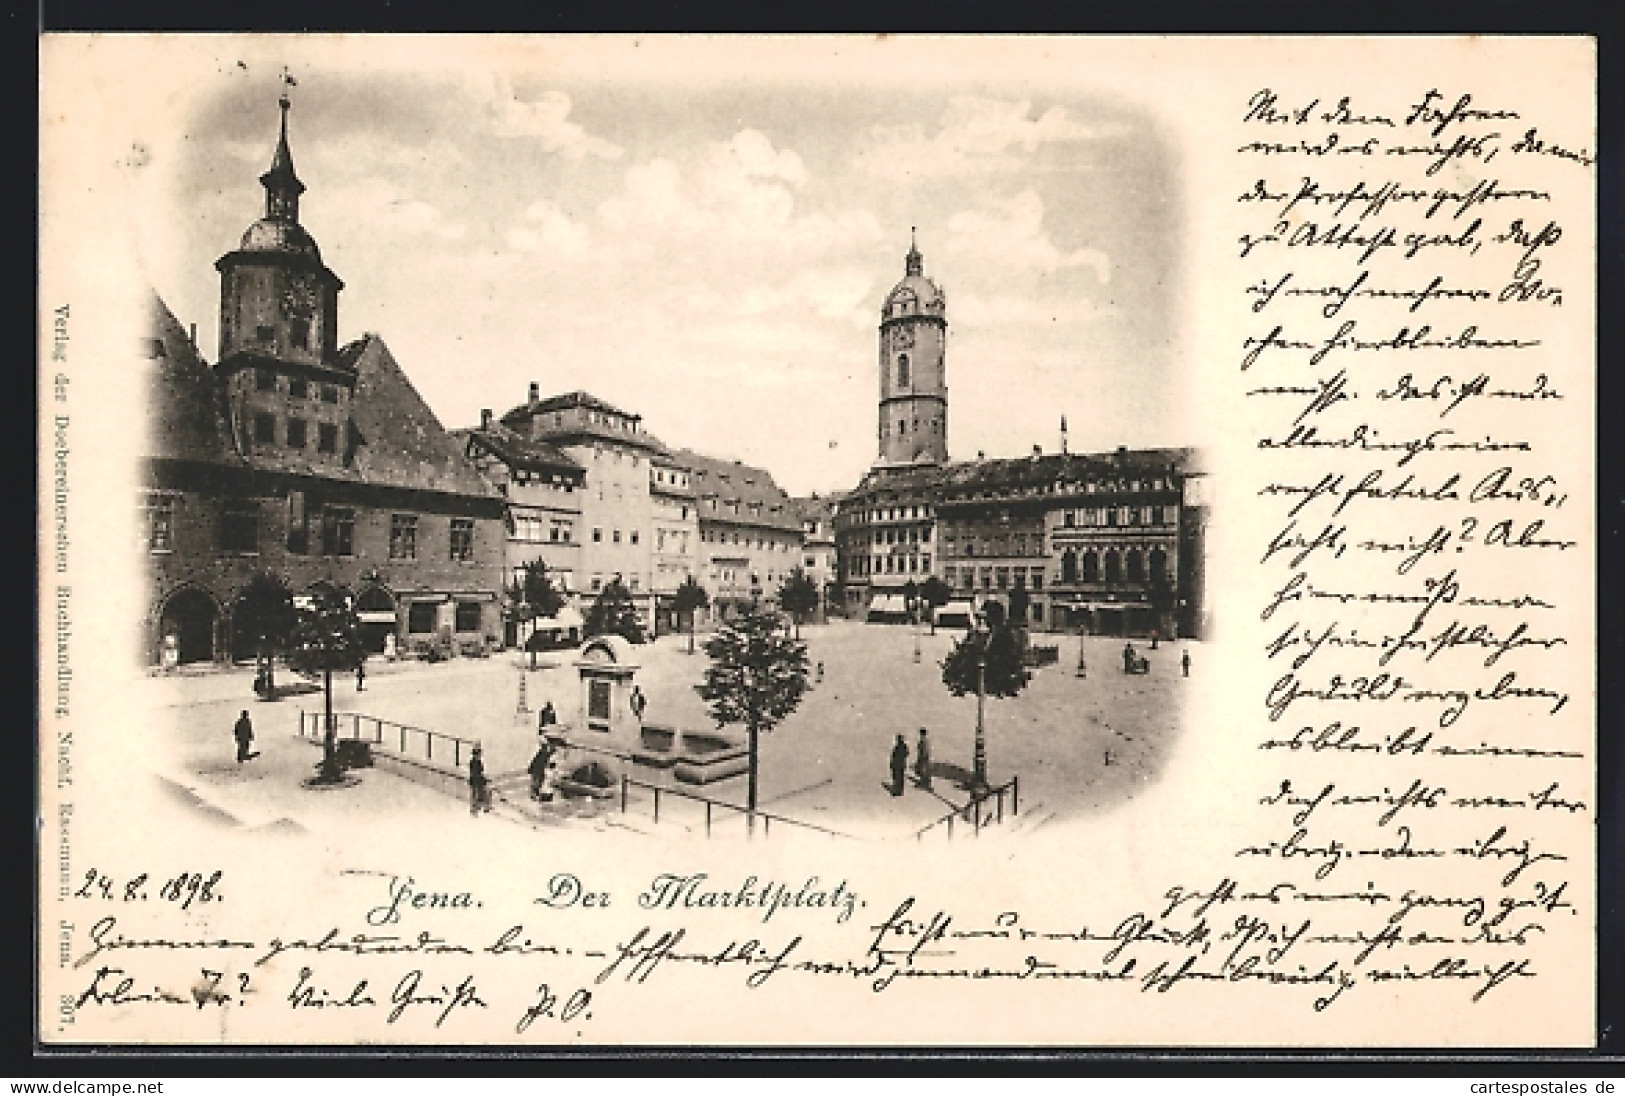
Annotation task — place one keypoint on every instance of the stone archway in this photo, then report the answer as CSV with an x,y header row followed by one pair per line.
x,y
190,616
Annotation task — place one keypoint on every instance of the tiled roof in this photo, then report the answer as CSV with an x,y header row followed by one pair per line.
x,y
403,444
186,407
1011,474
734,481
522,418
516,451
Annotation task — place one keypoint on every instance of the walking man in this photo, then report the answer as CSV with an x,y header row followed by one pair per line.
x,y
922,762
244,733
547,718
1128,658
899,765
638,703
538,770
1185,662
479,788
360,675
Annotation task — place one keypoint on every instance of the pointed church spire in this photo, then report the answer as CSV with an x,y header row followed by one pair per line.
x,y
914,264
282,185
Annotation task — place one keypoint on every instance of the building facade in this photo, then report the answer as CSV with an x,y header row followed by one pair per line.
x,y
298,460
750,535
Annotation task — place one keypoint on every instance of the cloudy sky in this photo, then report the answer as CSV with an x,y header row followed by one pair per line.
x,y
711,249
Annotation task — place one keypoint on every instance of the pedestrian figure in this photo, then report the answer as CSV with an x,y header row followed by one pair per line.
x,y
1128,658
1185,662
1153,639
360,676
479,789
899,765
922,761
538,770
638,703
547,718
244,733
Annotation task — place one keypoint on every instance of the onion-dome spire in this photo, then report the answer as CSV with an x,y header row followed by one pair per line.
x,y
914,264
282,186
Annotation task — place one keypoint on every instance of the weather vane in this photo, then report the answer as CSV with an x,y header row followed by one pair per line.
x,y
287,82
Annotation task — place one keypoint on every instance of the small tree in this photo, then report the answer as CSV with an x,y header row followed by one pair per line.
x,y
757,677
691,598
325,638
265,614
532,596
987,663
1021,607
798,596
935,593
613,613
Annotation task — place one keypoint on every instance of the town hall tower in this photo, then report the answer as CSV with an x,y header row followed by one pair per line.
x,y
913,370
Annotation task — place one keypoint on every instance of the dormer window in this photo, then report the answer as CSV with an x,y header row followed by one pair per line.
x,y
299,333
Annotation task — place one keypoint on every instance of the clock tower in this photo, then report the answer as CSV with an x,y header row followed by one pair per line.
x,y
913,369
288,386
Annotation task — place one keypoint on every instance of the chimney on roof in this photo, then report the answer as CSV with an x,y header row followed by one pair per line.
x,y
485,418
1038,450
535,393
194,334
981,455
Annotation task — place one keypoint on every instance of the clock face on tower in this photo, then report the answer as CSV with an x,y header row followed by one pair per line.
x,y
298,302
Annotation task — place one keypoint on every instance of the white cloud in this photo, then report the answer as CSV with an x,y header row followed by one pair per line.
x,y
975,135
1010,234
550,229
546,119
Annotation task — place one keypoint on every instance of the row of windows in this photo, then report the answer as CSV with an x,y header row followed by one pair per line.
x,y
298,333
761,544
526,476
896,536
536,530
296,434
1099,516
935,426
1114,567
268,380
895,513
421,617
1000,578
893,565
239,530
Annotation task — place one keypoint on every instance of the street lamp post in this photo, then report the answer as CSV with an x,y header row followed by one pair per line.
x,y
979,760
916,634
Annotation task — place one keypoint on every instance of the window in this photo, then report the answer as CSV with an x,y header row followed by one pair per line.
x,y
616,536
634,536
338,531
264,380
263,333
468,616
297,433
160,523
264,428
462,539
240,526
299,334
327,437
330,393
403,536
1069,519
1038,578
298,387
597,538
421,617
298,524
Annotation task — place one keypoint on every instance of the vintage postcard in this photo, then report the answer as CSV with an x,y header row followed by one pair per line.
x,y
736,541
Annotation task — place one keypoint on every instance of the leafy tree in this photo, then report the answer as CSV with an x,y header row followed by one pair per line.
x,y
935,593
327,637
993,611
613,613
757,676
691,598
798,596
987,663
265,616
532,596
